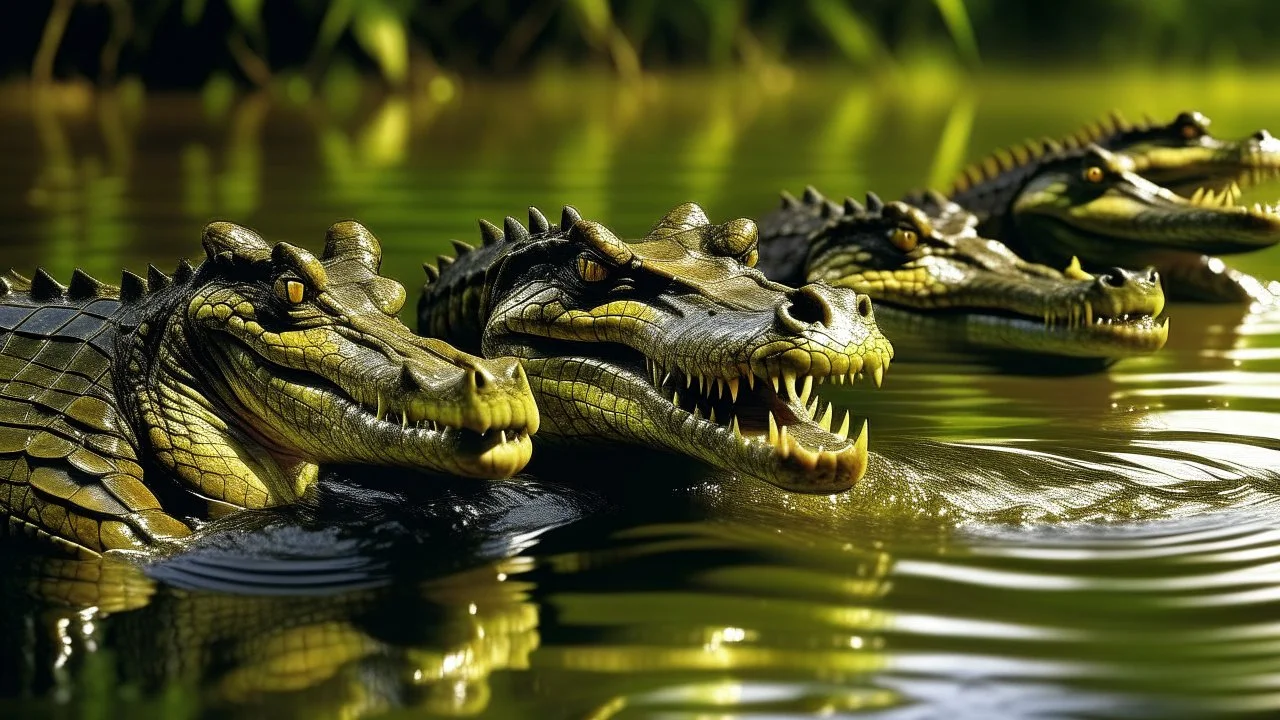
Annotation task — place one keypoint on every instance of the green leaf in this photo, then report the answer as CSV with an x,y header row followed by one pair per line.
x,y
382,34
247,14
956,17
854,36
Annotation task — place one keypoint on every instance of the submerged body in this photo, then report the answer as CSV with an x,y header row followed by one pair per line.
x,y
940,287
125,408
1110,196
673,342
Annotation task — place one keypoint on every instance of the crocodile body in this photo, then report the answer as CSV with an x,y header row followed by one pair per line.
x,y
939,286
222,387
673,342
1109,195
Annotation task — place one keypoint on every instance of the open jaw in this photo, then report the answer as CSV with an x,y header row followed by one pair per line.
x,y
398,428
761,419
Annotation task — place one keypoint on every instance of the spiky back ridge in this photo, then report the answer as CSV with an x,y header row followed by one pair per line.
x,y
787,233
455,297
1107,133
43,287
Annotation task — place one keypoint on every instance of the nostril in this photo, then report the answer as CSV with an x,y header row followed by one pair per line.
x,y
1153,276
1262,136
480,378
1112,278
806,306
864,306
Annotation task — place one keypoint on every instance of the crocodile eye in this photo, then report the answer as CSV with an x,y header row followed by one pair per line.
x,y
905,240
1093,174
590,270
751,258
290,291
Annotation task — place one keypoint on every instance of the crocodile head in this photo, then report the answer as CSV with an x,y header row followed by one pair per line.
x,y
1095,206
675,342
310,358
1184,157
927,260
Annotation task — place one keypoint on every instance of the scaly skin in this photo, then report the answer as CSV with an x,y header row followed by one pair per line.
x,y
935,282
672,342
235,379
1052,202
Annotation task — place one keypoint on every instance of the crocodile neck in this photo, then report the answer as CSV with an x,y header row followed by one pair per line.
x,y
457,305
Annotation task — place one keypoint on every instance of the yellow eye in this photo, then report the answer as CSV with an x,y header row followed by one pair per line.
x,y
291,291
751,258
1190,132
905,240
1093,174
590,270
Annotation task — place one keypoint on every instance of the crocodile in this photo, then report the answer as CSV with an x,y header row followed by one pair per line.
x,y
937,283
1110,195
673,342
124,408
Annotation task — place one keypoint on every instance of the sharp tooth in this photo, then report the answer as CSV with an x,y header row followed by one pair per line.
x,y
776,381
675,398
379,415
844,426
825,422
719,387
665,378
502,436
813,409
789,379
404,419
878,374
697,413
838,379
733,424
784,443
806,389
688,381
702,384
1197,196
861,443
751,380
733,389
712,416
773,429
1088,312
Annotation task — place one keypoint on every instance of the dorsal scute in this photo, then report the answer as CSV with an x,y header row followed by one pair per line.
x,y
489,233
569,216
133,287
513,231
537,221
44,287
157,280
84,286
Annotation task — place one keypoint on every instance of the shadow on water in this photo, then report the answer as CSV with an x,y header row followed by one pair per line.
x,y
1024,545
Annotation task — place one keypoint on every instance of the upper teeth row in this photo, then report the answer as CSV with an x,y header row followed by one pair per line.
x,y
713,387
1225,199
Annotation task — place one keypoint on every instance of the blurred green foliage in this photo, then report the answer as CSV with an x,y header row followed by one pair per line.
x,y
185,42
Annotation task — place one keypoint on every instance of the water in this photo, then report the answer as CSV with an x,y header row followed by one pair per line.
x,y
1097,545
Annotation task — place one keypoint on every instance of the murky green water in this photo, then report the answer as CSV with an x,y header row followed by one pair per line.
x,y
1099,545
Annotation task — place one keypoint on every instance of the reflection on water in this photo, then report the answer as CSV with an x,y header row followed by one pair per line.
x,y
947,583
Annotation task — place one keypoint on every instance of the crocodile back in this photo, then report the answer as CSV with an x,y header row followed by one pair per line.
x,y
69,467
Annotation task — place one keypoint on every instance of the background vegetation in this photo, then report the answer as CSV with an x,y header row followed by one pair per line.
x,y
187,43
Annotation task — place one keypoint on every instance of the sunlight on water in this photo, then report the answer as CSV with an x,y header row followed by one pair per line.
x,y
1087,545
